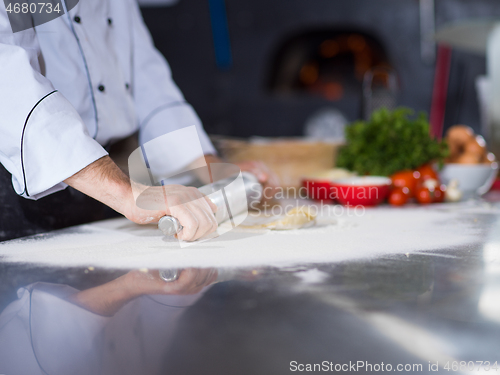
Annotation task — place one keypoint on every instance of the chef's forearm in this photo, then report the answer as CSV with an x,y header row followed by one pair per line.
x,y
105,299
105,182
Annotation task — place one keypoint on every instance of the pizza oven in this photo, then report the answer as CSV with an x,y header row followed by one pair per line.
x,y
265,67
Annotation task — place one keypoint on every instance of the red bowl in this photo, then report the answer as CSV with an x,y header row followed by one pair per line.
x,y
318,190
496,184
361,191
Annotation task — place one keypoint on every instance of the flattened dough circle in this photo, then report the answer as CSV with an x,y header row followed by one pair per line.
x,y
296,218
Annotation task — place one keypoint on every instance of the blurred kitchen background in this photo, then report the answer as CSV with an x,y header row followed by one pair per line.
x,y
264,68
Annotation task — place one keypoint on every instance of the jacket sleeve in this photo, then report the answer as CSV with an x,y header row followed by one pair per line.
x,y
161,107
43,140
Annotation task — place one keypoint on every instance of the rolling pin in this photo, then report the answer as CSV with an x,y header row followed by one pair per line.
x,y
239,193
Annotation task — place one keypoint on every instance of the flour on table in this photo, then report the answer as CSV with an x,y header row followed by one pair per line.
x,y
119,243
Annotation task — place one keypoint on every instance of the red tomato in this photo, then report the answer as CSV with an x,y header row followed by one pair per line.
x,y
424,195
430,194
427,172
439,194
406,179
399,196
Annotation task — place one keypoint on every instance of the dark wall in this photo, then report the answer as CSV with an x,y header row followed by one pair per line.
x,y
236,102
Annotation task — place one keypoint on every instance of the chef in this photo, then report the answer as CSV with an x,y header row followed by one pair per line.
x,y
71,87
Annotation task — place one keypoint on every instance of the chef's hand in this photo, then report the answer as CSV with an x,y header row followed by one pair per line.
x,y
268,179
104,181
194,210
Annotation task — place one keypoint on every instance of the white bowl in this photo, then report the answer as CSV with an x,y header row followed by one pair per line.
x,y
473,179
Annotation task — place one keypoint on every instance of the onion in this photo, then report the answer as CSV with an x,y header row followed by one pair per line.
x,y
476,146
467,158
457,136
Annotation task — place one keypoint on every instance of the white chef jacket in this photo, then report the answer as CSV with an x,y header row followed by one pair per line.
x,y
73,85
